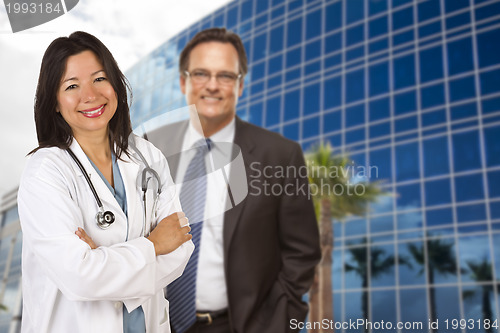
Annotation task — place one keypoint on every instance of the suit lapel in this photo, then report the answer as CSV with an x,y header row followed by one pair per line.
x,y
232,217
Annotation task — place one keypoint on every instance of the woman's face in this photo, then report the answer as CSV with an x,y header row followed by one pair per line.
x,y
86,99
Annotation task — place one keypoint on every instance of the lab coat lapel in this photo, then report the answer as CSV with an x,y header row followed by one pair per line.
x,y
129,169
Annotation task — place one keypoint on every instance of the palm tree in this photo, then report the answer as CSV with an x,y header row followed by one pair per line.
x,y
440,259
379,263
335,197
480,272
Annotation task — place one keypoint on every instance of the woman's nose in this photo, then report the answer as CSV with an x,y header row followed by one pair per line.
x,y
89,93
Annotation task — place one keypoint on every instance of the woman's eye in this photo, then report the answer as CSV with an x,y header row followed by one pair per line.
x,y
99,79
73,86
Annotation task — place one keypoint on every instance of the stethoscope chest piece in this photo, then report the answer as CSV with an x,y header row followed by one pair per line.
x,y
104,219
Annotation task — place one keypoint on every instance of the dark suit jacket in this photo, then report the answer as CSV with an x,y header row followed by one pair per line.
x,y
271,242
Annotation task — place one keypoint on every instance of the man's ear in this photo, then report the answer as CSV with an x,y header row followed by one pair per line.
x,y
240,88
182,81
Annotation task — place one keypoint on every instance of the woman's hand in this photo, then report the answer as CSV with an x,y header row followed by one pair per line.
x,y
86,238
170,233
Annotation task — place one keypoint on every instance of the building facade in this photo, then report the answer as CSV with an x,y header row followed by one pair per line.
x,y
410,89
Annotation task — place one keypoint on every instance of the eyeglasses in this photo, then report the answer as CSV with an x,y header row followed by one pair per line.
x,y
202,77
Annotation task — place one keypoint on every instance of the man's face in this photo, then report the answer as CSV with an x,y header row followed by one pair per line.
x,y
215,99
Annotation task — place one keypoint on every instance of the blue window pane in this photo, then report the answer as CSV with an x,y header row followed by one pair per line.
x,y
355,136
463,111
397,3
439,217
432,95
311,99
219,20
379,109
313,24
275,64
276,39
491,105
405,102
457,21
310,128
471,213
487,11
493,181
436,156
378,26
293,57
404,71
294,4
466,151
355,35
453,5
403,37
246,10
469,187
460,56
431,64
332,121
379,79
379,45
383,277
426,30
232,18
333,19
262,6
428,10
273,110
257,88
277,12
402,18
492,145
333,61
408,196
357,52
355,86
256,114
332,92
275,81
377,6
433,118
291,131
381,160
355,10
257,71
333,43
313,68
462,88
489,48
294,34
383,303
437,192
259,47
406,124
313,50
407,162
355,115
292,105
380,130
490,82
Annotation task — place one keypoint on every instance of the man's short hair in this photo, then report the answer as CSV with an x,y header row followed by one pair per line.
x,y
214,35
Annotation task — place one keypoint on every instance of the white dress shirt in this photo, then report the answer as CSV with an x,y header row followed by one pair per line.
x,y
211,291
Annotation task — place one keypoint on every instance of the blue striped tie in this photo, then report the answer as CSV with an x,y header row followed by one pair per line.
x,y
181,293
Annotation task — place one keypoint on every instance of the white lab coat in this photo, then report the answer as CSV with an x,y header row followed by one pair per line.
x,y
67,287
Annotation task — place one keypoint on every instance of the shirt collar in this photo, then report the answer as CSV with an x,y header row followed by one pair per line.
x,y
226,134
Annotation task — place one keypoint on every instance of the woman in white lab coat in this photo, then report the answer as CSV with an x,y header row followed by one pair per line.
x,y
78,277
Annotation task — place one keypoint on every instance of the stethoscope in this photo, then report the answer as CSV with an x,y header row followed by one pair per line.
x,y
104,219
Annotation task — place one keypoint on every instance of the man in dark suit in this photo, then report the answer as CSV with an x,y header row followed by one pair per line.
x,y
256,260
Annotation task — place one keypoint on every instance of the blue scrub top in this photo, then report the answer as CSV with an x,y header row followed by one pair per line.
x,y
133,322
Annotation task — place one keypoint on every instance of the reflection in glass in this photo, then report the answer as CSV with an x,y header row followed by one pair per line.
x,y
440,260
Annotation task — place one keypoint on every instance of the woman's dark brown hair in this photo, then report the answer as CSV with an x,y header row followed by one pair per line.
x,y
51,128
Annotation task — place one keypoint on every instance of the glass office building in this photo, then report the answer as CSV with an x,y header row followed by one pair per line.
x,y
10,265
410,88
